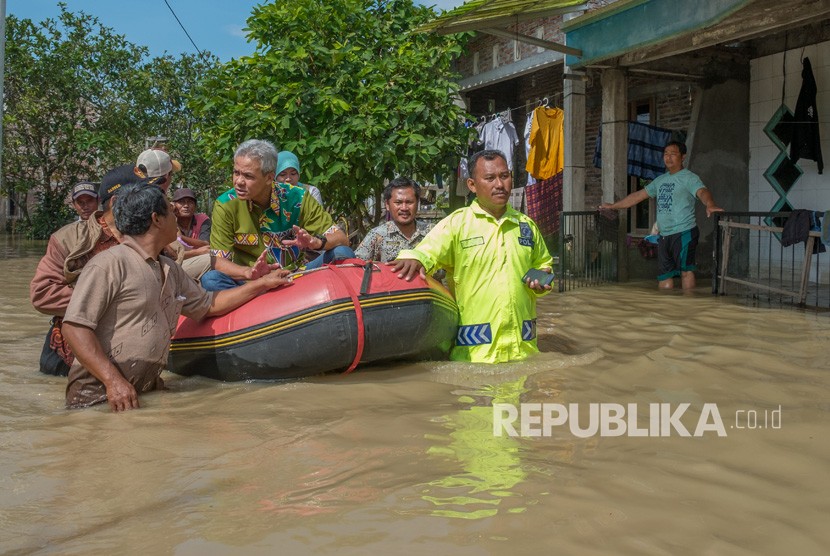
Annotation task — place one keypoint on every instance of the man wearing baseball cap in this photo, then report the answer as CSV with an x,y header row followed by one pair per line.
x,y
127,302
85,199
194,234
194,227
156,163
68,250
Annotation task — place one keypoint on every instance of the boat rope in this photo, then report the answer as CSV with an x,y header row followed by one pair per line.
x,y
358,311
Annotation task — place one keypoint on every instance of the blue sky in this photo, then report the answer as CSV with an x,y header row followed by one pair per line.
x,y
214,25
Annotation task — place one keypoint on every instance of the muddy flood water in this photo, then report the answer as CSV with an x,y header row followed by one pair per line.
x,y
404,458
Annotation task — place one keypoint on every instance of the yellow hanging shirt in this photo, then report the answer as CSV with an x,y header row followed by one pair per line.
x,y
546,157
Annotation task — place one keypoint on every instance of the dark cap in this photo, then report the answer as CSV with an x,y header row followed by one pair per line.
x,y
84,188
183,193
114,180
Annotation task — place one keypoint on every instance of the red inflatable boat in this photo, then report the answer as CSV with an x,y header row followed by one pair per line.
x,y
331,318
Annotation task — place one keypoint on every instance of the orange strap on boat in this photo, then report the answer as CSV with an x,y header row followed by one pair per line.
x,y
358,311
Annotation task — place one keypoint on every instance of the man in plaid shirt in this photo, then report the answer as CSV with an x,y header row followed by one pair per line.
x,y
402,231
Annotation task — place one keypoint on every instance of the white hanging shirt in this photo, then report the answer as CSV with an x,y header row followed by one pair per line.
x,y
501,136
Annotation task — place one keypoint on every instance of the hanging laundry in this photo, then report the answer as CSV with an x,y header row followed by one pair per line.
x,y
473,145
528,125
645,150
500,135
461,189
798,226
805,141
517,198
463,168
479,127
547,147
544,203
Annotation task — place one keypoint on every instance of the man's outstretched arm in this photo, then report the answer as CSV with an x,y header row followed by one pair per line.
x,y
629,201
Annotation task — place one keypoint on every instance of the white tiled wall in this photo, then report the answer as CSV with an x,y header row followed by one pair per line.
x,y
769,79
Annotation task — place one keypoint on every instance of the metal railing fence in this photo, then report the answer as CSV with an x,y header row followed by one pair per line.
x,y
588,249
750,260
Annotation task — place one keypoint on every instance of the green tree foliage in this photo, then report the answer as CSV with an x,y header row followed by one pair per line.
x,y
345,84
162,93
60,102
79,100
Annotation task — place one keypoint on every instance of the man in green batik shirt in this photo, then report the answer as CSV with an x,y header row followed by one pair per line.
x,y
259,216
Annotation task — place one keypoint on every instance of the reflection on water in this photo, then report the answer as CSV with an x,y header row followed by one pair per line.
x,y
491,464
402,459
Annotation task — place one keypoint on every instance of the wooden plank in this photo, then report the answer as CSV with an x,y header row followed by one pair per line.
x,y
725,256
805,269
549,45
726,223
801,294
759,286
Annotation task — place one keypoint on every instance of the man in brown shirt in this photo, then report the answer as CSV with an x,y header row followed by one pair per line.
x,y
127,301
68,250
71,247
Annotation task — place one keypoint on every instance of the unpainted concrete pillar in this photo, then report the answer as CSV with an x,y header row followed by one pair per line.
x,y
573,179
615,152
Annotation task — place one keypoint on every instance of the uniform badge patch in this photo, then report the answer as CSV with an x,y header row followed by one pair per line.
x,y
525,234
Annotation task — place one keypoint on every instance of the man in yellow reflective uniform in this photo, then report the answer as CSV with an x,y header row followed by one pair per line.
x,y
486,249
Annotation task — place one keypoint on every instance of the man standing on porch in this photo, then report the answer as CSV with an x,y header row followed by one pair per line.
x,y
675,191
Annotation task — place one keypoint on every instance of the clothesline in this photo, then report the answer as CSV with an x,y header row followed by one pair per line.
x,y
544,155
539,103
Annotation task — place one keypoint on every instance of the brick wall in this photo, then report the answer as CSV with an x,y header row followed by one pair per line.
x,y
483,45
593,117
548,29
674,108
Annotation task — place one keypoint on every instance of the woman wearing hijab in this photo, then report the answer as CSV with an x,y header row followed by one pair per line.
x,y
288,171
